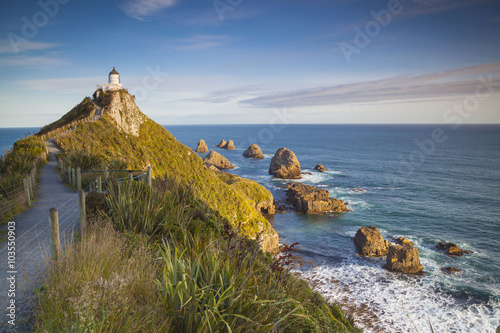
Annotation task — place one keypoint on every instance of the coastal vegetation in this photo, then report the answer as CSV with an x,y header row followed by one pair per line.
x,y
189,254
14,166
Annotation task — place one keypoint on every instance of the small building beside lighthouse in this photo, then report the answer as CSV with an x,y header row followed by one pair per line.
x,y
113,82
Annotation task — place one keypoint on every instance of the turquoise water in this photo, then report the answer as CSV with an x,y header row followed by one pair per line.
x,y
428,188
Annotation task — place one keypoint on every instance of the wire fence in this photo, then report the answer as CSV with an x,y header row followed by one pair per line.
x,y
15,198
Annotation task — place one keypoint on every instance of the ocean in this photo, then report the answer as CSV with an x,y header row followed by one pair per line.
x,y
10,135
427,183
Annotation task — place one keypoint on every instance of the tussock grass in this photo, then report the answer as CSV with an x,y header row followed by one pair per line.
x,y
104,283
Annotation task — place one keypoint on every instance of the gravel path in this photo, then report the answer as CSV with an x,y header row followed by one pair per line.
x,y
32,243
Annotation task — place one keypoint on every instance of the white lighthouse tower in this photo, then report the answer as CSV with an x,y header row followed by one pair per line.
x,y
113,82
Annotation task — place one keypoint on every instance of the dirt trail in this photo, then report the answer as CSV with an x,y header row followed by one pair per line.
x,y
32,242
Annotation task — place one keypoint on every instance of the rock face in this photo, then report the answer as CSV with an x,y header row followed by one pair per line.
x,y
221,144
308,200
285,165
403,259
451,270
229,145
370,243
217,160
125,112
253,152
320,168
202,147
452,249
403,241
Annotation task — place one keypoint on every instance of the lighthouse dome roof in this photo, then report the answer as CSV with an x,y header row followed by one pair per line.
x,y
114,72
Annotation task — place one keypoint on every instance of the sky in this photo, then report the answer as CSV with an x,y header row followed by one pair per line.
x,y
255,62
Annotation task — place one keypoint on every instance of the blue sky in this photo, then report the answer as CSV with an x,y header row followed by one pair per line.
x,y
242,61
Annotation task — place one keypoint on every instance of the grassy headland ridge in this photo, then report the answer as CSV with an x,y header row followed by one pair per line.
x,y
180,256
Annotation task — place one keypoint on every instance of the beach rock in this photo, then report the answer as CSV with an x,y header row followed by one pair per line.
x,y
221,144
308,200
217,160
370,243
285,165
451,270
202,147
357,189
229,145
320,168
451,249
403,259
253,152
403,241
306,173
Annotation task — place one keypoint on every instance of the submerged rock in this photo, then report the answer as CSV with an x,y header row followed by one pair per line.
x,y
221,144
403,259
202,147
285,165
253,152
451,270
217,160
370,243
308,199
320,168
229,145
451,249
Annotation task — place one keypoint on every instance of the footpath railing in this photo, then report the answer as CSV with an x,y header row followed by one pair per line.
x,y
15,198
69,126
73,176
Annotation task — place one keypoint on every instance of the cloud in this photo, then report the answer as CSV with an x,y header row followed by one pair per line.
x,y
139,9
34,61
200,42
430,7
21,45
446,83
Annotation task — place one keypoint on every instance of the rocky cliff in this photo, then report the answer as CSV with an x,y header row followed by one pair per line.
x,y
124,133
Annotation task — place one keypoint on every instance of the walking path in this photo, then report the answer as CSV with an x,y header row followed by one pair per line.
x,y
32,243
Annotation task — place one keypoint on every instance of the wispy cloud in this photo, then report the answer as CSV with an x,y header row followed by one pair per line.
x,y
34,61
139,9
429,7
23,45
447,83
200,42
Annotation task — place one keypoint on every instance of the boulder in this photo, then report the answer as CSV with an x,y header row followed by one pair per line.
x,y
229,145
402,241
253,152
403,259
451,249
285,165
451,270
320,168
217,160
370,243
202,147
221,144
308,200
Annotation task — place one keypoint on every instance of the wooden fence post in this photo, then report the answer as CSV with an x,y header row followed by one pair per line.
x,y
92,186
99,184
55,240
83,215
106,173
149,175
79,178
27,191
130,176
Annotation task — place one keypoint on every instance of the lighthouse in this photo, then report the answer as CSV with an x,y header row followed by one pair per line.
x,y
113,82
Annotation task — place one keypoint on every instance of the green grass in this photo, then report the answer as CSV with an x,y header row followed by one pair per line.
x,y
14,166
80,111
175,275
